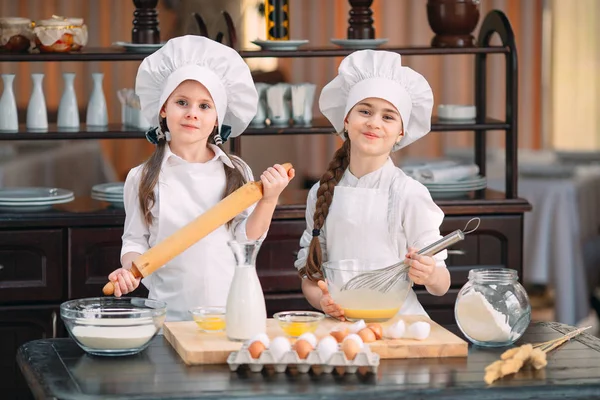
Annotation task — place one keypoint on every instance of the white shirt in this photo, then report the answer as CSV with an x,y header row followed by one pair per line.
x,y
413,213
137,236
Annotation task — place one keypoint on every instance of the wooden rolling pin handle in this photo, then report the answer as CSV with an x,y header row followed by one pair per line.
x,y
109,288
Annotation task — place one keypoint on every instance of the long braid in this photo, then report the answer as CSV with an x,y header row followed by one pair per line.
x,y
329,180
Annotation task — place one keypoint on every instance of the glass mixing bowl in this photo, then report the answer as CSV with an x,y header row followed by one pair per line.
x,y
297,323
110,326
368,302
492,309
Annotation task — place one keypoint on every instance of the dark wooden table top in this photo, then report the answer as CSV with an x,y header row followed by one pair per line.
x,y
58,368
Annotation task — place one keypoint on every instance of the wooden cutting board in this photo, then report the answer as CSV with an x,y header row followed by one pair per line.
x,y
196,347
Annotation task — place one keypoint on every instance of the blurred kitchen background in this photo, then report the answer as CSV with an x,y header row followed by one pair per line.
x,y
558,46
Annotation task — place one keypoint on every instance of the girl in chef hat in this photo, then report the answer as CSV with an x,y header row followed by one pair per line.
x,y
197,93
364,207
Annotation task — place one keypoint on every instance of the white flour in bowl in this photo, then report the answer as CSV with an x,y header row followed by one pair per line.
x,y
480,320
113,335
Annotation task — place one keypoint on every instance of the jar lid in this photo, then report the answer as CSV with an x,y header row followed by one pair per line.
x,y
60,22
11,21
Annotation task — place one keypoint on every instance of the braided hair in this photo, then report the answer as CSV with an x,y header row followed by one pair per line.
x,y
333,175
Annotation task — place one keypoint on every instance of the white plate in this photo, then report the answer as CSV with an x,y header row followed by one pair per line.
x,y
281,45
139,47
358,44
473,181
32,194
33,205
112,188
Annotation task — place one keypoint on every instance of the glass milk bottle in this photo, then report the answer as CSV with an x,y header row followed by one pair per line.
x,y
246,313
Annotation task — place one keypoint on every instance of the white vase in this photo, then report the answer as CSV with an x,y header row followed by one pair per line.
x,y
37,116
96,110
9,121
68,112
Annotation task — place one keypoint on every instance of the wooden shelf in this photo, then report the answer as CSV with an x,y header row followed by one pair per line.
x,y
119,54
85,211
319,126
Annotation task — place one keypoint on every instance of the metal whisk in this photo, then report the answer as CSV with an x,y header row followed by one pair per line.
x,y
382,280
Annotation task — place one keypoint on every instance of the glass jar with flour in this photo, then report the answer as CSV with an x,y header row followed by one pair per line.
x,y
492,309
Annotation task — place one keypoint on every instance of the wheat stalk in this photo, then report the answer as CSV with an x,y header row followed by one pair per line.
x,y
512,360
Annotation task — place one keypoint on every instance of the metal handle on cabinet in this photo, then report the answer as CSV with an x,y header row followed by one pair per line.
x,y
1,267
54,320
456,252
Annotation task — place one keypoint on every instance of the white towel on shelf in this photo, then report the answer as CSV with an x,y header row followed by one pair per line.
x,y
414,169
447,174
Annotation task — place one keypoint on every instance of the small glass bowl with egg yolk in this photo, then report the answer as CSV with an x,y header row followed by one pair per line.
x,y
209,319
296,323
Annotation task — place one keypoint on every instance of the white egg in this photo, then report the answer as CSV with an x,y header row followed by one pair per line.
x,y
357,326
356,338
310,338
279,346
395,331
261,337
326,347
418,330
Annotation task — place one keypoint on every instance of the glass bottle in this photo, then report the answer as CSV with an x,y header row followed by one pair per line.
x,y
492,309
246,312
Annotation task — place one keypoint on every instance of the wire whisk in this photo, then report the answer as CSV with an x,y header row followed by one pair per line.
x,y
384,279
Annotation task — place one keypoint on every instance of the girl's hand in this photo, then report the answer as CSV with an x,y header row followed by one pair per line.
x,y
123,281
421,269
274,180
328,306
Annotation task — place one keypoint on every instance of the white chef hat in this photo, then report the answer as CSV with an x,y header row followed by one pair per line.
x,y
219,68
378,73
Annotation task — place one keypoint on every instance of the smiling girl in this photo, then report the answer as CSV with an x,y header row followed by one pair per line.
x,y
364,207
198,93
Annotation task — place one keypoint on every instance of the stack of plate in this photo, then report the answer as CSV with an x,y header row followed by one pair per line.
x,y
109,192
460,188
33,198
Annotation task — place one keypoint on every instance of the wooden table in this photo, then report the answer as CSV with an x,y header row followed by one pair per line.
x,y
58,368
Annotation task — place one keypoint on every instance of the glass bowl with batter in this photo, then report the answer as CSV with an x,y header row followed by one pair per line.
x,y
368,302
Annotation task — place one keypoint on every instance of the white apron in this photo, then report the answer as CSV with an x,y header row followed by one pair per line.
x,y
201,275
357,228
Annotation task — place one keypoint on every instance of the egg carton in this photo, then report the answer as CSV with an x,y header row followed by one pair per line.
x,y
364,358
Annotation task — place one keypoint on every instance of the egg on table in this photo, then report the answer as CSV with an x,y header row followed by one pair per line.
x,y
279,346
326,347
351,345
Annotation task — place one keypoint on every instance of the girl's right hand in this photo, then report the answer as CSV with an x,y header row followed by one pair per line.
x,y
123,281
328,306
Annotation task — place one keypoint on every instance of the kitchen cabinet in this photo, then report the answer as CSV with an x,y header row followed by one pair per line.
x,y
52,256
19,325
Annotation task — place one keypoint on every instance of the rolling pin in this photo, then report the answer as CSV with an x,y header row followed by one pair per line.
x,y
223,212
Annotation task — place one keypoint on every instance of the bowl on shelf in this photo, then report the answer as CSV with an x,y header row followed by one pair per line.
x,y
297,323
110,326
209,319
457,112
365,301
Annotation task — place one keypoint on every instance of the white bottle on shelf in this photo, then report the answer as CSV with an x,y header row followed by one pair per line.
x,y
68,111
97,114
9,121
37,116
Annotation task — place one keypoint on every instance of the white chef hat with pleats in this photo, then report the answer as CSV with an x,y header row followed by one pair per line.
x,y
219,68
380,74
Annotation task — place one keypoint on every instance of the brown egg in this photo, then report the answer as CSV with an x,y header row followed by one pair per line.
x,y
350,348
339,335
302,347
367,335
377,330
256,348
